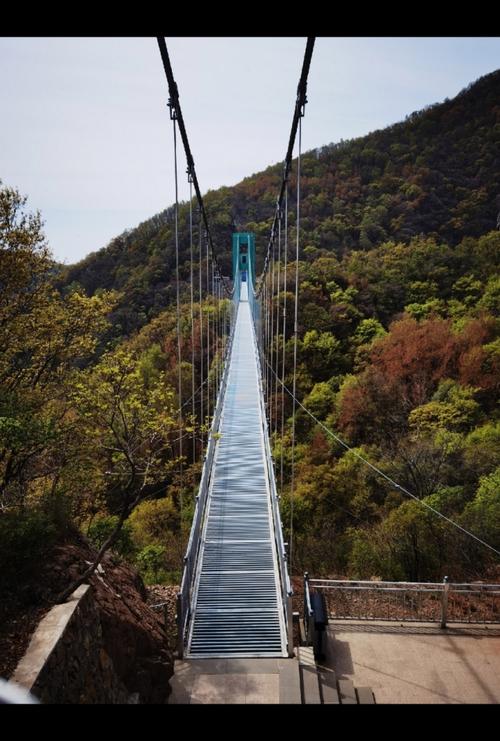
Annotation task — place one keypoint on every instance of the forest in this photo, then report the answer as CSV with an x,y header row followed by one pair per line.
x,y
398,355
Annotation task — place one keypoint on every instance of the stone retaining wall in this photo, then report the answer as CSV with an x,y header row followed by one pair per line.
x,y
66,661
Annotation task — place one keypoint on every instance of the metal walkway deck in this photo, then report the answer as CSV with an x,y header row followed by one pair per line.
x,y
237,607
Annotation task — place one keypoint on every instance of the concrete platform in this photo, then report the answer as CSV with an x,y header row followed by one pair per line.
x,y
417,662
235,681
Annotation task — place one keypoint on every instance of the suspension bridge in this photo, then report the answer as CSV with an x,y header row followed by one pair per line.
x,y
235,599
240,602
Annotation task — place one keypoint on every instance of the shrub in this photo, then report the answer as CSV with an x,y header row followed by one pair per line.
x,y
151,562
26,537
101,528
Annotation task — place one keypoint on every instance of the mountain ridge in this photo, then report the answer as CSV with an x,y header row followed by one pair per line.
x,y
436,173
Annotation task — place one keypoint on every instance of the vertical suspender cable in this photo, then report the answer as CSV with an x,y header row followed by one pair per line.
x,y
219,322
268,345
217,287
219,330
191,282
295,329
208,342
263,326
214,334
202,359
266,333
271,343
179,350
285,249
262,332
277,327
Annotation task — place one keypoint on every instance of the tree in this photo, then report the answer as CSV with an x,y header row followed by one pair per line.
x,y
482,449
482,515
453,408
24,259
43,338
322,352
404,371
409,544
130,423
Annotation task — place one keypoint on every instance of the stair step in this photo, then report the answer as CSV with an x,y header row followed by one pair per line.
x,y
310,686
328,685
365,696
290,693
347,692
306,656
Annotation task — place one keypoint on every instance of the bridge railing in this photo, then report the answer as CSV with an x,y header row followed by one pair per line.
x,y
184,596
441,602
286,587
253,301
308,612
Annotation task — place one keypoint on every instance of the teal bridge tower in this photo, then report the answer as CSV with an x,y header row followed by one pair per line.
x,y
243,255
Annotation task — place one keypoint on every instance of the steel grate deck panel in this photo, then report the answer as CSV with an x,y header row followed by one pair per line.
x,y
235,634
237,607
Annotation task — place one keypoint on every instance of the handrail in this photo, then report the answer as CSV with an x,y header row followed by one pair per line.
x,y
308,612
447,592
286,587
184,595
389,586
375,584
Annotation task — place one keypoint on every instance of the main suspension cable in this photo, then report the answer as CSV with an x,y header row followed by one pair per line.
x,y
175,105
300,102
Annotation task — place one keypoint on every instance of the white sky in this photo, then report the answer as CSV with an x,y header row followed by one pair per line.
x,y
85,131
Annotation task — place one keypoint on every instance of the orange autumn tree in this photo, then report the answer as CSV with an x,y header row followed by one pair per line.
x,y
404,370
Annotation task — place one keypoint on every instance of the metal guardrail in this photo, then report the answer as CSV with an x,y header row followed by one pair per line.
x,y
184,595
163,606
286,587
441,602
308,613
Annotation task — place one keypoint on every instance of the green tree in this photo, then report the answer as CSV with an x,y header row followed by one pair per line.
x,y
102,527
44,337
482,515
482,449
130,422
453,408
151,563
